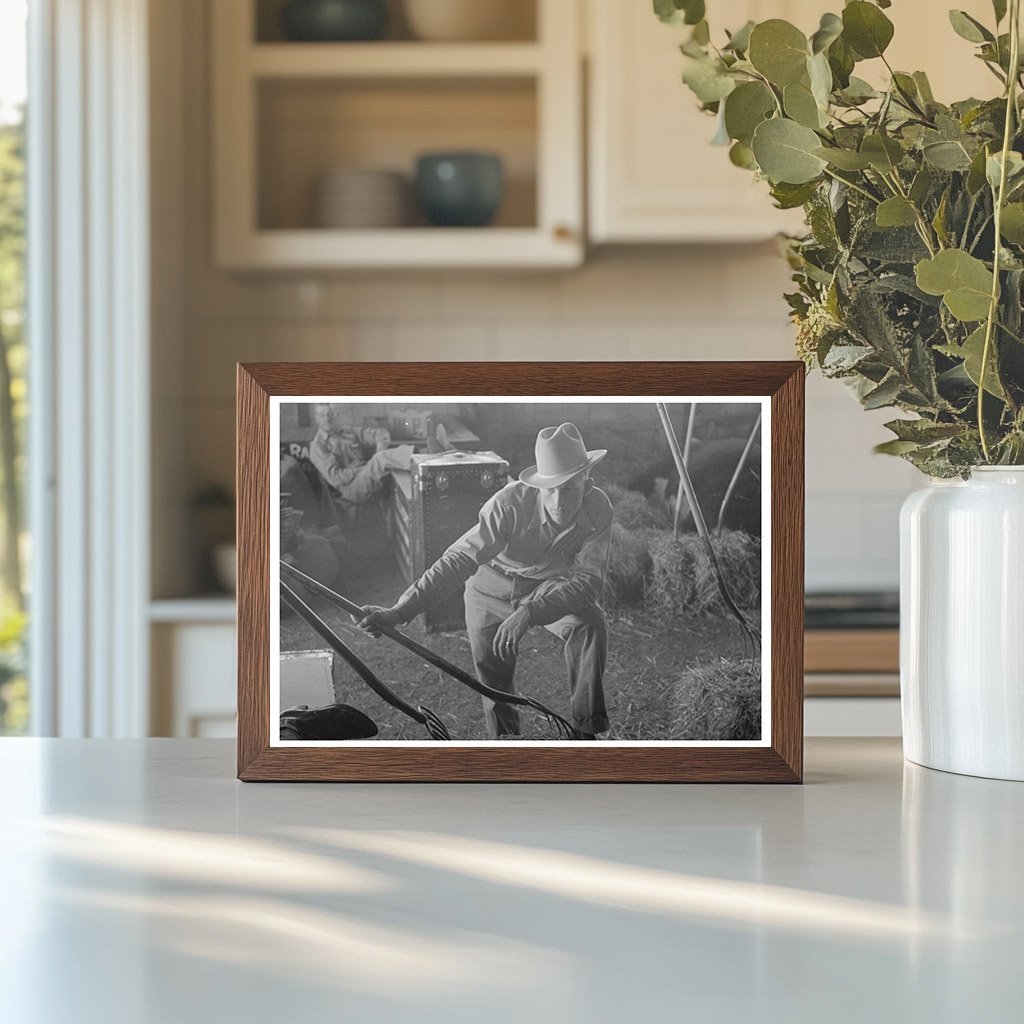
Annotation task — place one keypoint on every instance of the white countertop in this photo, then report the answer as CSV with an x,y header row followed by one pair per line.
x,y
143,885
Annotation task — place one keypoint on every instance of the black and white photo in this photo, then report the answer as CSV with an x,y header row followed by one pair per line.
x,y
543,570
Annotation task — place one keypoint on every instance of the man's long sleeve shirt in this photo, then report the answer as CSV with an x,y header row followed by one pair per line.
x,y
517,537
340,455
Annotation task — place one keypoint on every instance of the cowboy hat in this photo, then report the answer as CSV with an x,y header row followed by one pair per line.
x,y
561,455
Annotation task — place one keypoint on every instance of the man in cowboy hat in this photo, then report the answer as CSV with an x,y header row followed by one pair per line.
x,y
536,557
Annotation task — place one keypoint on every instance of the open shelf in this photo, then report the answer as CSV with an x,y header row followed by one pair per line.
x,y
393,60
520,17
286,114
308,127
407,248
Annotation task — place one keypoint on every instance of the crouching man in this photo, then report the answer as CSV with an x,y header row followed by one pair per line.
x,y
536,557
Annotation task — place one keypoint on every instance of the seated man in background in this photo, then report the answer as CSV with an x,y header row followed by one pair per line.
x,y
353,460
536,557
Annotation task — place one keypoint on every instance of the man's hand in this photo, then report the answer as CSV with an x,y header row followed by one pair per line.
x,y
375,616
510,632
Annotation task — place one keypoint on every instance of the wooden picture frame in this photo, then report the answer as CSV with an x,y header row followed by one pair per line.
x,y
779,758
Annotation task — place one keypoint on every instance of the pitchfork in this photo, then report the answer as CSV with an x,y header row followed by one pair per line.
x,y
424,716
564,729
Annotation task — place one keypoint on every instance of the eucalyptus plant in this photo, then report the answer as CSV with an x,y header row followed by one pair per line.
x,y
909,280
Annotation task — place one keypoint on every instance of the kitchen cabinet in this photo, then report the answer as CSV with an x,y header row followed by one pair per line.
x,y
653,175
286,113
193,673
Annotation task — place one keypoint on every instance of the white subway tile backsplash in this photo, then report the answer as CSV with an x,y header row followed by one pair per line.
x,y
574,341
717,302
412,296
402,341
247,298
645,285
755,281
500,298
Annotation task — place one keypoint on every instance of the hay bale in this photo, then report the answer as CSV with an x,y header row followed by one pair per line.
x,y
683,580
717,700
628,563
633,511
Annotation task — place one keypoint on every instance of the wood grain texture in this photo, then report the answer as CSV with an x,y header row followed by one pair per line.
x,y
782,762
252,485
852,650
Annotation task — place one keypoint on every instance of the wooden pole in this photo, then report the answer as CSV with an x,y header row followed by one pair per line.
x,y
736,474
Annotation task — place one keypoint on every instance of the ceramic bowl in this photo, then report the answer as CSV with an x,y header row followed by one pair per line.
x,y
358,197
460,189
470,20
334,20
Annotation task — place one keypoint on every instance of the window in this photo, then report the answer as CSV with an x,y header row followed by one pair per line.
x,y
14,705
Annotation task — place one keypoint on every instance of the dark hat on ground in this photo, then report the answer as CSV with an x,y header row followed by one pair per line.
x,y
336,722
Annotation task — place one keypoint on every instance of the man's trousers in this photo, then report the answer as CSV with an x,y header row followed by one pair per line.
x,y
490,598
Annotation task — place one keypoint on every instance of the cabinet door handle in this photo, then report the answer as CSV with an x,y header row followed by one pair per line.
x,y
563,232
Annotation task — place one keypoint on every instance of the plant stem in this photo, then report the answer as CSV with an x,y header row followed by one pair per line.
x,y
993,309
768,85
850,184
922,225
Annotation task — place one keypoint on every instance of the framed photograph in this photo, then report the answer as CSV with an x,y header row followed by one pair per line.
x,y
516,572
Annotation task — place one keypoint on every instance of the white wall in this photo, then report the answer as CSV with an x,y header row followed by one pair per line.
x,y
655,303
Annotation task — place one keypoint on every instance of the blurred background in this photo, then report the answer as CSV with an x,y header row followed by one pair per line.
x,y
246,180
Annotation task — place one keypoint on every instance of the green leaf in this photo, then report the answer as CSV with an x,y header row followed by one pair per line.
x,y
999,7
924,87
800,105
789,197
676,12
701,33
739,41
921,185
844,159
923,431
745,108
830,29
895,447
866,29
694,11
947,156
971,352
976,174
741,155
939,220
785,152
820,76
858,91
708,80
969,28
841,60
778,50
1014,169
721,137
883,153
1012,224
963,281
885,394
896,212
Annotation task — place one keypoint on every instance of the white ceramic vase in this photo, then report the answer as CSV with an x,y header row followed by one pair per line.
x,y
962,624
